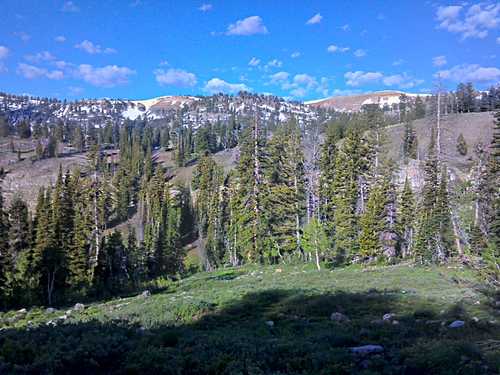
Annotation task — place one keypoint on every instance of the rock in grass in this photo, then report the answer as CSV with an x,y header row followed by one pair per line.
x,y
270,323
388,316
457,324
339,317
79,307
50,310
146,294
367,349
22,311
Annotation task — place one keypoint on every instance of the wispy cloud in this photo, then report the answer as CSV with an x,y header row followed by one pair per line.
x,y
295,55
93,49
360,53
33,72
4,52
175,77
398,62
60,39
439,61
205,8
70,7
345,27
24,36
254,61
107,76
470,73
217,85
40,56
314,19
332,48
249,26
474,22
361,78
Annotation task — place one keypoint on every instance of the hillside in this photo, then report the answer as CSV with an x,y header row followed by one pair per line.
x,y
286,319
354,103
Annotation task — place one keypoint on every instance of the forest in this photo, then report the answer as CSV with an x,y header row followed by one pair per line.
x,y
325,193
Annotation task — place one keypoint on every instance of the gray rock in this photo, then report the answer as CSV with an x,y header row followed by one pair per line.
x,y
22,311
79,307
457,324
388,316
50,310
367,349
339,317
270,323
146,294
497,304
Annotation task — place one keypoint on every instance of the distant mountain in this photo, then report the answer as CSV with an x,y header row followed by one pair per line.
x,y
354,103
191,111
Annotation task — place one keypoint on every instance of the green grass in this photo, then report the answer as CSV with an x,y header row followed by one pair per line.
x,y
213,323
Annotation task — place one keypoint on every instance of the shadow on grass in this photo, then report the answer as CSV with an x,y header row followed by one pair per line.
x,y
269,332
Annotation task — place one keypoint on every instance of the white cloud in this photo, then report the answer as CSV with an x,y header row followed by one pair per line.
x,y
332,48
475,22
22,35
32,72
346,27
248,26
254,61
93,49
4,52
470,73
403,81
279,78
301,84
217,85
295,55
498,40
205,8
305,80
40,56
360,53
60,39
274,63
175,77
361,78
314,19
70,7
439,61
107,76
398,62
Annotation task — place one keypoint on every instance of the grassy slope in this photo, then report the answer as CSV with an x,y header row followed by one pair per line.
x,y
216,323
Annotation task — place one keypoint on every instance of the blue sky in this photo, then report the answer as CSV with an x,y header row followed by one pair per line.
x,y
296,49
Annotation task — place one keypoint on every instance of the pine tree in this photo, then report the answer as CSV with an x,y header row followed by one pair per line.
x,y
406,219
410,142
371,225
461,145
5,257
284,193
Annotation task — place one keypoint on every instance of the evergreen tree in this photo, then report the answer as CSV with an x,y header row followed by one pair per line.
x,y
410,142
5,257
406,219
461,145
371,225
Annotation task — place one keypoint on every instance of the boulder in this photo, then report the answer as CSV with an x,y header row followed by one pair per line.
x,y
146,294
50,310
339,317
270,323
388,316
79,307
367,349
457,324
22,311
